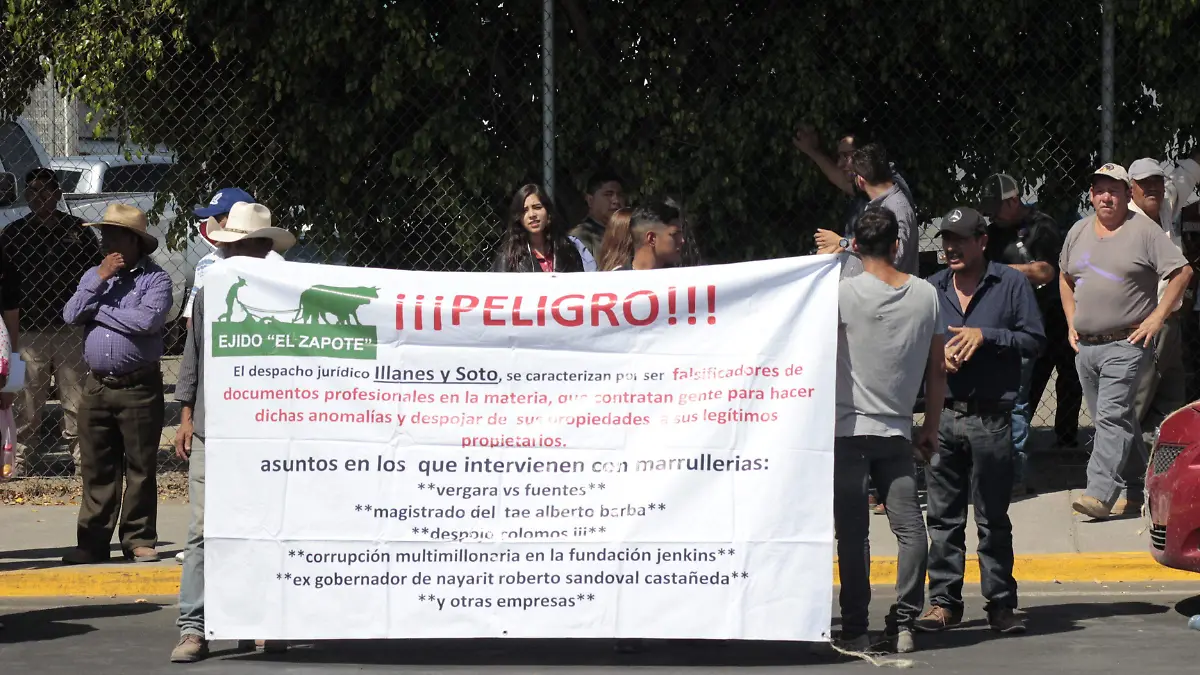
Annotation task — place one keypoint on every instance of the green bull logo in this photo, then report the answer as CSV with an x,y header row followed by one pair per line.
x,y
324,324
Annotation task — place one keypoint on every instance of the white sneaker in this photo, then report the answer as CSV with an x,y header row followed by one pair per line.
x,y
904,641
179,557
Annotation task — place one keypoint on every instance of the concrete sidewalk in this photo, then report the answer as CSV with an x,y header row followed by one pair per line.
x,y
1052,545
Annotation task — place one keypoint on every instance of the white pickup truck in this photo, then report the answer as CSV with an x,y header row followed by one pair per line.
x,y
90,184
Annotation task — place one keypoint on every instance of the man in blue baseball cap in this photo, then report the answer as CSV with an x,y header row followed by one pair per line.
x,y
214,216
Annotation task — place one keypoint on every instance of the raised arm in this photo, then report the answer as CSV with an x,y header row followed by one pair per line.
x,y
807,143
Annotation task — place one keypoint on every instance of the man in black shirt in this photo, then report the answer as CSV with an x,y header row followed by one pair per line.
x,y
48,251
991,314
1029,241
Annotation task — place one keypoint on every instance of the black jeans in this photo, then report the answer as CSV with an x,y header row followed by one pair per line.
x,y
888,462
974,456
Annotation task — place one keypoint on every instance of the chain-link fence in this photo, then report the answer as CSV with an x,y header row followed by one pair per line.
x,y
393,136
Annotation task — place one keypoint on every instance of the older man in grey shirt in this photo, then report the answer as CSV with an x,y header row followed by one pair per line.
x,y
1111,265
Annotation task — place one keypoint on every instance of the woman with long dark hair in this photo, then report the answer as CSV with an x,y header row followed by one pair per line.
x,y
536,239
616,249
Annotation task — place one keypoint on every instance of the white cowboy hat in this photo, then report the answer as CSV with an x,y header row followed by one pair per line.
x,y
252,221
130,218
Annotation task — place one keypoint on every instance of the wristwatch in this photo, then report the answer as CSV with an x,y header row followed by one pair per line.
x,y
844,243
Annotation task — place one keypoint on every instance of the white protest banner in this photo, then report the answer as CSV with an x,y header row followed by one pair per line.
x,y
431,455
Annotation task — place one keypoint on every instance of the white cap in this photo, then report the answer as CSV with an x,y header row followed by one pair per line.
x,y
1146,168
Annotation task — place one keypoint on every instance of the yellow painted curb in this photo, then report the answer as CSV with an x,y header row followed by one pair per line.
x,y
1062,567
91,581
148,580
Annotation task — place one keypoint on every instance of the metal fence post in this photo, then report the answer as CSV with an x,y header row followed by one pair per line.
x,y
1108,40
548,97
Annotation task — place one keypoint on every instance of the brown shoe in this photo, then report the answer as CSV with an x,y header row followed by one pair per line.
x,y
191,648
1004,621
1126,507
142,554
1092,508
82,556
938,619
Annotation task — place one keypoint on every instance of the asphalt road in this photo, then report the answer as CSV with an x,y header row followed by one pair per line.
x,y
1089,629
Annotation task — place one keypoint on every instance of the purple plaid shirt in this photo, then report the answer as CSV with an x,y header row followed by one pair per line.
x,y
123,316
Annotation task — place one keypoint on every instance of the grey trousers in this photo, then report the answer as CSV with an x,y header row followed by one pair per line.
x,y
191,583
1161,391
888,462
1108,374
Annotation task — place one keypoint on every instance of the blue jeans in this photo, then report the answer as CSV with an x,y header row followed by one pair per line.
x,y
191,584
1022,420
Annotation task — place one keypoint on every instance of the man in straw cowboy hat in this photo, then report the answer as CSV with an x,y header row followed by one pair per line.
x,y
122,303
247,232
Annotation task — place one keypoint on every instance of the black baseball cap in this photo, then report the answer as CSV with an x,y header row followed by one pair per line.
x,y
997,189
963,221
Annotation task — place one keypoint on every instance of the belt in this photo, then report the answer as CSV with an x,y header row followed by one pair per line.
x,y
979,407
138,376
1105,338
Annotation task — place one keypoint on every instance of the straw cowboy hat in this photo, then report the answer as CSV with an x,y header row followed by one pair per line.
x,y
252,221
130,218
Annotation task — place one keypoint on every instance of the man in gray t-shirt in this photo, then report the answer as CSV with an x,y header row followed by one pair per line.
x,y
889,337
1111,264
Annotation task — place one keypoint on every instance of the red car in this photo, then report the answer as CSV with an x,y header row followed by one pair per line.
x,y
1173,490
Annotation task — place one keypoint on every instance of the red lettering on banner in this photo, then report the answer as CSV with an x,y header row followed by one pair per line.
x,y
643,307
627,307
517,320
605,307
462,305
489,306
555,311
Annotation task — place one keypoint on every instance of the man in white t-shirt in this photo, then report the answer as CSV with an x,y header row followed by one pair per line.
x,y
890,338
214,216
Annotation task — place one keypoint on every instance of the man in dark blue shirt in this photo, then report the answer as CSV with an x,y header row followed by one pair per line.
x,y
992,321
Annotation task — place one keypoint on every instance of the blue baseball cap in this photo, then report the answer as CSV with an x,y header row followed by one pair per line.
x,y
223,201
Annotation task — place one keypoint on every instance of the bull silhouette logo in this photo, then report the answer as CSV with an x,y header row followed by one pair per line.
x,y
330,305
342,302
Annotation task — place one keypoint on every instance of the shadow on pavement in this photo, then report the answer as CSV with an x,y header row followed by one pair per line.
x,y
45,558
493,652
61,622
1189,607
1040,620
